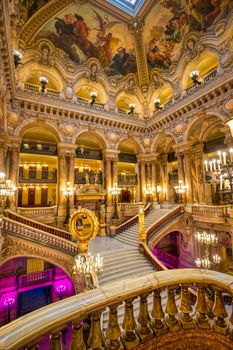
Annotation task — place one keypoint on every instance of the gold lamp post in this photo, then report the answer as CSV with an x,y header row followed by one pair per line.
x,y
7,191
68,191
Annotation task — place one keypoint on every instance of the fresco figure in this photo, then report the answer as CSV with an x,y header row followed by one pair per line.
x,y
80,41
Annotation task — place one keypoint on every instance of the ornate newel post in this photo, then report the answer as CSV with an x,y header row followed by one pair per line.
x,y
157,314
77,341
220,314
142,229
95,340
144,332
129,338
113,331
171,309
185,308
201,309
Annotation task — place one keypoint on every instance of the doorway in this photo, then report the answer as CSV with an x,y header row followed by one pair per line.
x,y
31,196
33,299
44,196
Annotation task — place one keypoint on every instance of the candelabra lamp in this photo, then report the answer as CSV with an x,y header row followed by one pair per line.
x,y
114,192
159,191
181,189
44,81
131,109
61,289
93,95
86,266
194,76
205,243
68,191
149,191
8,304
7,191
157,104
17,56
219,173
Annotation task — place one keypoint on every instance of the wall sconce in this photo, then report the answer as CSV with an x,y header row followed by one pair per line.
x,y
157,104
61,290
93,95
8,304
132,108
44,81
194,76
17,56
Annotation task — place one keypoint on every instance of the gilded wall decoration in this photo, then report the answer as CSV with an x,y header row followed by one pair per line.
x,y
173,21
83,32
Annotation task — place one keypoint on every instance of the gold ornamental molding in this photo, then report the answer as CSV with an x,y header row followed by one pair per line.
x,y
84,227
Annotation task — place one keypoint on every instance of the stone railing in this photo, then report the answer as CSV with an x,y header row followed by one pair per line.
x,y
165,220
38,212
20,230
132,221
208,319
221,211
38,225
35,277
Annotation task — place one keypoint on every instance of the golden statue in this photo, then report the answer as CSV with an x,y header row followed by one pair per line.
x,y
83,226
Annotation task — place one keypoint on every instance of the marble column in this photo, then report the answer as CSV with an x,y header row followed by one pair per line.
x,y
180,166
2,158
153,179
143,180
114,171
138,187
108,179
62,178
200,174
188,177
70,162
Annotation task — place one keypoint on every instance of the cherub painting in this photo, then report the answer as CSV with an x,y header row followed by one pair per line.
x,y
185,16
85,34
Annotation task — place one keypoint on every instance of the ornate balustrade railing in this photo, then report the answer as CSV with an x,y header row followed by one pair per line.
x,y
38,147
208,318
35,277
221,211
34,234
37,225
154,229
38,211
38,177
125,225
127,179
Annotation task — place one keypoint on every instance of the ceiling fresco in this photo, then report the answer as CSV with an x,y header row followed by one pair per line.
x,y
83,32
171,20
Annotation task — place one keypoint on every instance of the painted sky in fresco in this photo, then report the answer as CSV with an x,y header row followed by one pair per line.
x,y
170,21
84,31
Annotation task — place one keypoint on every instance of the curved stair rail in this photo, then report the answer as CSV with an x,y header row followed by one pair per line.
x,y
156,331
155,229
38,225
20,230
125,225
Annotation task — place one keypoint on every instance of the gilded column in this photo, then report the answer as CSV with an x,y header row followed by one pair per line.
x,y
180,166
2,158
108,179
164,176
138,192
200,175
14,170
153,179
71,161
62,178
114,170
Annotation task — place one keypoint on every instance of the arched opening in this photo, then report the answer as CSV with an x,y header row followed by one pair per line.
x,y
89,167
84,90
28,284
127,171
38,168
124,101
167,250
163,94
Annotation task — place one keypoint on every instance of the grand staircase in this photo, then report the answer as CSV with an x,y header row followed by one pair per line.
x,y
126,261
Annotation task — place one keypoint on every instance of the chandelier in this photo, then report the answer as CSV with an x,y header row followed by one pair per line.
x,y
87,264
180,189
205,242
219,172
7,190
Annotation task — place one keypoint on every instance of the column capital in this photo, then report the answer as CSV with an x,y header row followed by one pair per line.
x,y
182,147
144,158
66,149
111,154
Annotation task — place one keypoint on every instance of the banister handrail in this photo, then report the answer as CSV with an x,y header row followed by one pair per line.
x,y
31,327
34,233
132,220
43,227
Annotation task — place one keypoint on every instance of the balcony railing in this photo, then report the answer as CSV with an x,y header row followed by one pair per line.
x,y
208,319
38,147
36,90
127,158
35,176
127,179
89,153
35,277
39,212
93,178
218,211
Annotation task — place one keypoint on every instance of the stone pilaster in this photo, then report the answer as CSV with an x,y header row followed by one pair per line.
x,y
188,176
